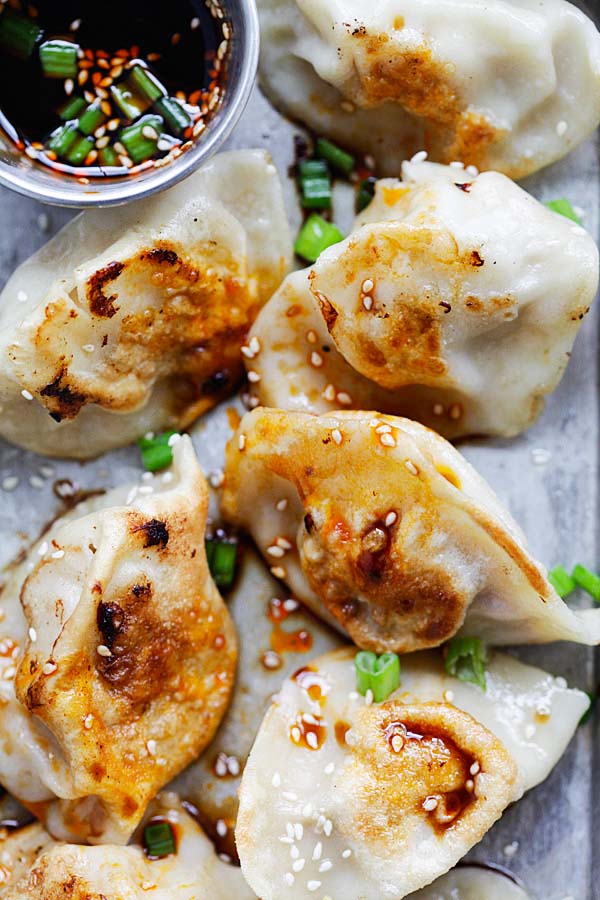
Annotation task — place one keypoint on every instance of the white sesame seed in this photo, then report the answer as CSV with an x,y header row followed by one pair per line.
x,y
368,697
276,780
254,377
411,467
241,441
561,128
329,769
438,409
529,731
312,740
448,696
474,768
367,286
421,156
328,827
221,827
21,296
387,440
216,478
326,865
311,336
455,411
298,831
149,132
283,543
248,352
313,886
290,605
254,344
43,548
472,170
294,852
88,722
336,434
10,483
367,302
510,849
103,650
32,635
540,456
58,554
397,743
344,398
469,785
298,865
289,829
329,393
27,394
281,505
9,673
151,747
274,550
289,795
390,519
317,852
289,878
296,734
195,23
346,854
36,482
457,165
316,359
309,719
286,840
88,348
75,25
69,85
430,803
233,766
307,810
278,572
49,667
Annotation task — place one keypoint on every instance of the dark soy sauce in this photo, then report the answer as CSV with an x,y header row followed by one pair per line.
x,y
182,43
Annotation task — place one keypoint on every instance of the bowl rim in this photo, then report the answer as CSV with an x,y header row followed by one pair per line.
x,y
64,193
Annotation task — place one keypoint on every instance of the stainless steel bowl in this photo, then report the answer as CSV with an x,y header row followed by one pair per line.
x,y
21,174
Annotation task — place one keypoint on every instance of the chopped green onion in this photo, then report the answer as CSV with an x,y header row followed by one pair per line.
x,y
379,674
159,839
131,104
466,659
334,155
141,138
590,710
146,84
563,583
59,59
91,119
221,557
174,114
589,581
316,193
366,192
563,207
78,152
107,157
313,168
315,236
71,109
18,35
62,139
156,451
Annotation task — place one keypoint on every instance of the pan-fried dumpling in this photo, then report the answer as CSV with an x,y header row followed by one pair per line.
x,y
389,533
455,301
36,868
131,320
473,882
120,670
344,799
505,84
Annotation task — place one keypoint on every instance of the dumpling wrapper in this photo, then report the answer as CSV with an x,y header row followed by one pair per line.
x,y
119,671
455,301
378,800
473,882
131,319
511,85
388,533
37,868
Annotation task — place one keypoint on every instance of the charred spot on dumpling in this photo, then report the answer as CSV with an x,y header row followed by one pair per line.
x,y
110,619
476,259
309,523
328,310
100,304
161,256
62,401
464,186
375,542
156,533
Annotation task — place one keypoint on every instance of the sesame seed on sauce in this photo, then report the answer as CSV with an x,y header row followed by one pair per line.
x,y
475,768
337,436
242,441
387,440
311,336
49,668
430,803
367,286
221,827
283,543
329,393
344,398
316,360
216,478
274,550
88,722
281,504
390,519
271,660
397,743
9,673
103,650
27,394
278,571
151,747
253,376
32,635
411,467
367,302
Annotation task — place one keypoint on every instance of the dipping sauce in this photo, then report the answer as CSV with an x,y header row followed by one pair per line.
x,y
97,90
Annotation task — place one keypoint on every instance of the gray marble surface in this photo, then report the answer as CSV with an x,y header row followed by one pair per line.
x,y
547,477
